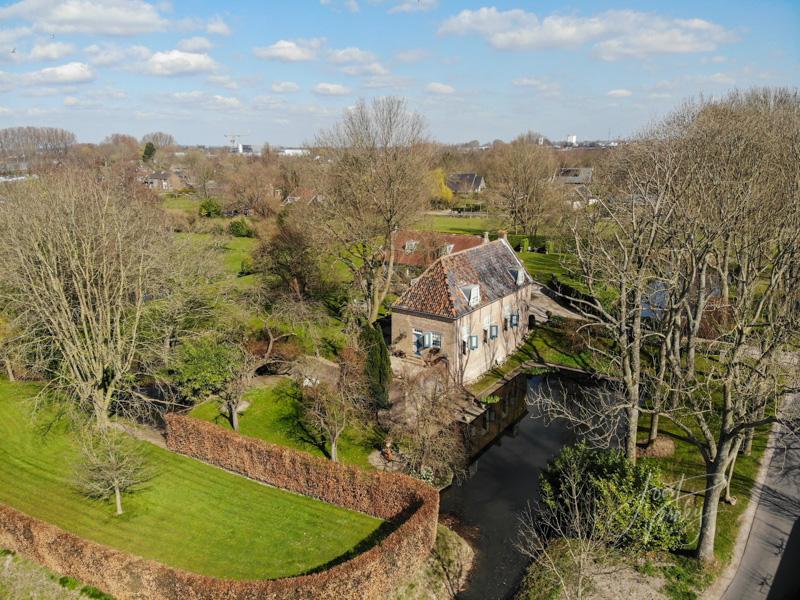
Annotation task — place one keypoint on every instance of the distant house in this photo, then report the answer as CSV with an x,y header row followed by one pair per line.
x,y
466,183
471,309
421,248
578,179
164,181
575,175
301,194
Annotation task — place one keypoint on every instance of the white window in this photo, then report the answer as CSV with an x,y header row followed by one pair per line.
x,y
446,249
473,342
472,293
410,246
493,332
520,277
436,340
417,341
515,320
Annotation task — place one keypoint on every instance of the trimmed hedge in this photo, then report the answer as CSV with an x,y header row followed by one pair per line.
x,y
409,503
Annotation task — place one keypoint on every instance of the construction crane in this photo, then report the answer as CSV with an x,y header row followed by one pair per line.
x,y
233,139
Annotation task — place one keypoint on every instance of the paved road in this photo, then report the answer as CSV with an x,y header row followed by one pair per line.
x,y
770,566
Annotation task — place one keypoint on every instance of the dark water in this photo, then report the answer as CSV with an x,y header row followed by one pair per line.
x,y
490,501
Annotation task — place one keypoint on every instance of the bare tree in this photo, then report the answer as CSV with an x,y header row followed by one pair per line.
x,y
26,142
431,441
331,409
203,170
109,465
521,177
78,260
375,183
159,139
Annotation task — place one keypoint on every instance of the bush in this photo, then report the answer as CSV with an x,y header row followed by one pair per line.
x,y
247,267
241,228
644,515
210,208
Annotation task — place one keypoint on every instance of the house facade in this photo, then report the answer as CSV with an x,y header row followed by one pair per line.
x,y
466,183
471,309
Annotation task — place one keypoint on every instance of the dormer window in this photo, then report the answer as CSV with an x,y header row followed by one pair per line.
x,y
472,293
446,249
519,276
410,246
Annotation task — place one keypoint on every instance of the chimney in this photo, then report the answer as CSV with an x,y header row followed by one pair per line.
x,y
485,237
503,234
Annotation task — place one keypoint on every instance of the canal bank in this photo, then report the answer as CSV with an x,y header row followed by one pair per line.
x,y
503,479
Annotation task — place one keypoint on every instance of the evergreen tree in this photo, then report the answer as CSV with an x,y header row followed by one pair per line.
x,y
149,152
377,366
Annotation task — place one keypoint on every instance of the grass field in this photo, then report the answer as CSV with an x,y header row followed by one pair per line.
x,y
229,251
190,515
274,416
452,224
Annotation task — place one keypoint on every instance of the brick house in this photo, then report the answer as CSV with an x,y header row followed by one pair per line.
x,y
471,308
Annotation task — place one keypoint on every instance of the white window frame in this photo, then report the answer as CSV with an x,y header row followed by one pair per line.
x,y
416,334
494,332
514,320
474,342
436,340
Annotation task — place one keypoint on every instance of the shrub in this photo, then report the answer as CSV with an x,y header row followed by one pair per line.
x,y
246,267
377,365
210,208
241,228
642,515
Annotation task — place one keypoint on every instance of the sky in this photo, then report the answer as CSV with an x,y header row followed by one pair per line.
x,y
277,71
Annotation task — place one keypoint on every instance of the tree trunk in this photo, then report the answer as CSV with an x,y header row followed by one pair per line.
x,y
118,499
652,436
334,448
715,482
728,498
633,428
233,410
9,370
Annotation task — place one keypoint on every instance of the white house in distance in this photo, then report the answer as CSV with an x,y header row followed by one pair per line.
x,y
471,308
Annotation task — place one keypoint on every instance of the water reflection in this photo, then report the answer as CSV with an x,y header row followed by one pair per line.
x,y
504,479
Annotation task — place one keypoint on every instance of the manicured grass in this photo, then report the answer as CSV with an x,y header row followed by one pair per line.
x,y
190,515
274,416
546,344
453,224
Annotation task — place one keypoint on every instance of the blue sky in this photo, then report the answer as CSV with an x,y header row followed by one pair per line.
x,y
277,72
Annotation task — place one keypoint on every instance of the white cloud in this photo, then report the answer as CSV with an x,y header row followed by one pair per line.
x,y
331,89
97,17
722,78
195,44
51,51
74,72
615,34
439,88
70,101
544,87
225,81
9,36
350,55
218,26
199,99
374,68
620,93
406,6
715,59
291,51
412,55
104,55
177,62
285,87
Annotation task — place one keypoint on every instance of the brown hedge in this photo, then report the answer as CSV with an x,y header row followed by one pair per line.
x,y
370,575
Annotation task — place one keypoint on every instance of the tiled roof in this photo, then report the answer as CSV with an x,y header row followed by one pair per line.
x,y
429,246
438,291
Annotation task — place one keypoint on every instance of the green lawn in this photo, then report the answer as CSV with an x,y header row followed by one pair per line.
x,y
453,224
274,416
229,251
188,203
190,515
546,344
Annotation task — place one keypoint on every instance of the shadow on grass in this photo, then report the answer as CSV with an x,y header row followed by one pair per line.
x,y
377,536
